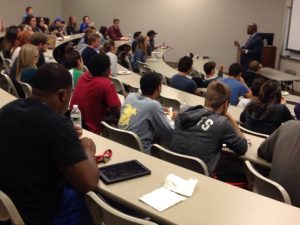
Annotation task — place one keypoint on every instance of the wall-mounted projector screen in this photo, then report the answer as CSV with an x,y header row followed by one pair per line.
x,y
294,28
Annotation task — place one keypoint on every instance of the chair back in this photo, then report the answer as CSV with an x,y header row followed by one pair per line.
x,y
143,68
26,88
169,102
8,210
246,131
124,137
188,162
6,63
264,186
119,86
103,213
11,87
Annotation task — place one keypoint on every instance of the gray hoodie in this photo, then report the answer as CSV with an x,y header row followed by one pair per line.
x,y
200,132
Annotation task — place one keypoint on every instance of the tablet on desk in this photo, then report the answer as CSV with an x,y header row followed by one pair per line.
x,y
123,171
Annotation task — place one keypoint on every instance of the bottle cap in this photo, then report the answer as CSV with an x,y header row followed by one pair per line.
x,y
75,106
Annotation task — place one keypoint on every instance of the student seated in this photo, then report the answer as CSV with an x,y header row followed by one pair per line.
x,y
143,114
44,167
255,89
140,54
83,43
236,84
71,29
92,48
151,37
73,62
210,70
201,131
26,65
251,74
103,32
123,55
30,20
86,22
181,81
267,113
282,149
136,36
110,50
57,27
114,31
41,26
95,94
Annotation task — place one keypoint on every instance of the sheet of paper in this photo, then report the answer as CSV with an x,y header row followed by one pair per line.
x,y
161,199
180,185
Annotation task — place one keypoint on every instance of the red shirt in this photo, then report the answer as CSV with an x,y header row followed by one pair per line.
x,y
94,96
114,34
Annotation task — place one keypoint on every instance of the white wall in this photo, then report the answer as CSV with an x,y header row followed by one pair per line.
x,y
13,10
205,27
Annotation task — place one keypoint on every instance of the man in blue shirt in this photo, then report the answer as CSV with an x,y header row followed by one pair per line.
x,y
91,49
236,83
181,81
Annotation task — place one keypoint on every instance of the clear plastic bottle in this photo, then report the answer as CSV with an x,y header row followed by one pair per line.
x,y
76,116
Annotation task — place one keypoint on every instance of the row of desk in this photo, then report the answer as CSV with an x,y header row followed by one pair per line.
x,y
212,203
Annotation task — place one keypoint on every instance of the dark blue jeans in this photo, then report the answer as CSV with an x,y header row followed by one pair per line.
x,y
72,210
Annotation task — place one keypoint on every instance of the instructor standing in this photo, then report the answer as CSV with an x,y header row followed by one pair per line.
x,y
252,50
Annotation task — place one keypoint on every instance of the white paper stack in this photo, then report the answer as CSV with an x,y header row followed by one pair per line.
x,y
165,197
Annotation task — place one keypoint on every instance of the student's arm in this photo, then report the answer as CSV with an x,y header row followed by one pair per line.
x,y
112,100
161,124
233,138
84,175
286,114
198,91
265,150
74,157
245,90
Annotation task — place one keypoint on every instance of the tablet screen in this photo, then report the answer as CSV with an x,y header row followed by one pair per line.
x,y
123,171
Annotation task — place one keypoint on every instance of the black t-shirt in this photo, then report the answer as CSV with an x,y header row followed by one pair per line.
x,y
35,143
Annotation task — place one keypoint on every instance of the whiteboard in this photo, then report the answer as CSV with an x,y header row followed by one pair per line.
x,y
294,31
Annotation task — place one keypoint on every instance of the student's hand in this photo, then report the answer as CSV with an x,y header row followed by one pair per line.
x,y
88,145
221,68
166,110
78,130
236,44
283,101
243,51
174,115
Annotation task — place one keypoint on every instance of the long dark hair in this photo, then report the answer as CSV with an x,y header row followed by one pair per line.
x,y
103,30
269,95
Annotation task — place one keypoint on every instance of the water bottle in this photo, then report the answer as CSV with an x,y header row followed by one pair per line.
x,y
76,116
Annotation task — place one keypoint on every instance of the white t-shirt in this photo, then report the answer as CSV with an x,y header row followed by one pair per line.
x,y
15,55
113,61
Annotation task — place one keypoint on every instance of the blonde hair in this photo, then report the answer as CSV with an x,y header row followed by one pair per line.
x,y
26,59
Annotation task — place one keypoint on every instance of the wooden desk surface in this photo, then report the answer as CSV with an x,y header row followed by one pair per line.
x,y
273,74
213,202
5,97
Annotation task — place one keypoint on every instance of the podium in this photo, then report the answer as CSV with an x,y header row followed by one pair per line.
x,y
269,56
